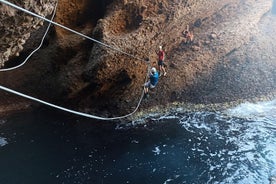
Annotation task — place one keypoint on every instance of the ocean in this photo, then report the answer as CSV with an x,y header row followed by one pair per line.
x,y
273,10
237,145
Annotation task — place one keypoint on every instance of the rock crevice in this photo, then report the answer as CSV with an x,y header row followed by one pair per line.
x,y
217,67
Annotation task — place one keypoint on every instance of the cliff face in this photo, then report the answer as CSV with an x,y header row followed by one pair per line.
x,y
217,67
17,27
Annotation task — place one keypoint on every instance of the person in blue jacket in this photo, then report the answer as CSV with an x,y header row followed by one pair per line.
x,y
153,80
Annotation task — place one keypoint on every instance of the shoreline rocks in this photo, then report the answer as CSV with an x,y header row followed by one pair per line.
x,y
231,57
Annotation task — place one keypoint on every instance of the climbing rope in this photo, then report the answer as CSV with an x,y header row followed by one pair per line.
x,y
73,111
27,58
87,37
68,29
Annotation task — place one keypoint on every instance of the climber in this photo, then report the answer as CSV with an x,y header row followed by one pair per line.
x,y
161,58
188,35
153,80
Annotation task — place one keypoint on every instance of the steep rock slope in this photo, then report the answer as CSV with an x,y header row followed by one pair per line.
x,y
215,68
220,28
16,26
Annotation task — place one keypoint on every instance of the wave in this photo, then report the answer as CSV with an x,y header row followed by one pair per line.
x,y
250,143
254,110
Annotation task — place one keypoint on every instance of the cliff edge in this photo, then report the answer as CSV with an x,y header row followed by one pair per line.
x,y
232,56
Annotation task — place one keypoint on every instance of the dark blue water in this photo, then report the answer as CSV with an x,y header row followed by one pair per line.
x,y
235,146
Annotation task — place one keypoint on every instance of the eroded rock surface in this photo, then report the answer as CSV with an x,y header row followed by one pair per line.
x,y
16,26
231,57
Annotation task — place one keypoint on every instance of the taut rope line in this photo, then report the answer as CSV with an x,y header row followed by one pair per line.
x,y
70,110
71,30
27,58
87,37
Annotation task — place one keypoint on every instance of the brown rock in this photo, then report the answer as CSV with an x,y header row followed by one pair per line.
x,y
195,48
213,36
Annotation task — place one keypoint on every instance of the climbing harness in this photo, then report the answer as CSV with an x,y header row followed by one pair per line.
x,y
89,38
34,51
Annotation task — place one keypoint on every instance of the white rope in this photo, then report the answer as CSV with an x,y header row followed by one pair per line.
x,y
27,58
73,111
69,110
66,109
71,30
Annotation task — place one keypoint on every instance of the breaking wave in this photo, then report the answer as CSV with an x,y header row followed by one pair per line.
x,y
255,110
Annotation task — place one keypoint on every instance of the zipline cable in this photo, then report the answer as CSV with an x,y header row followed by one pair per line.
x,y
27,58
73,111
66,109
71,30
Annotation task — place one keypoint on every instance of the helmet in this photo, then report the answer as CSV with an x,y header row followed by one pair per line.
x,y
153,70
160,47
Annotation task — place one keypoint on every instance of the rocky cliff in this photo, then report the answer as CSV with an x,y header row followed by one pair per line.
x,y
232,56
17,27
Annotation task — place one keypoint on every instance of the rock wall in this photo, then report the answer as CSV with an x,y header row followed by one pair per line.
x,y
219,28
16,27
78,73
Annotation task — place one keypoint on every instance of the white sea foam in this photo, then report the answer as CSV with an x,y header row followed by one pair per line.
x,y
251,139
171,179
156,150
168,180
252,110
255,146
240,144
3,141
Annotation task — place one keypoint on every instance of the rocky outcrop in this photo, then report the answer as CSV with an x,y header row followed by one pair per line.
x,y
216,67
16,27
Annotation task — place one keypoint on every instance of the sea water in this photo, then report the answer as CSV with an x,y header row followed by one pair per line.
x,y
233,146
273,10
3,141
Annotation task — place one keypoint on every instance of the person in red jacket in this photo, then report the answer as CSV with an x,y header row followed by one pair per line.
x,y
161,58
188,36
